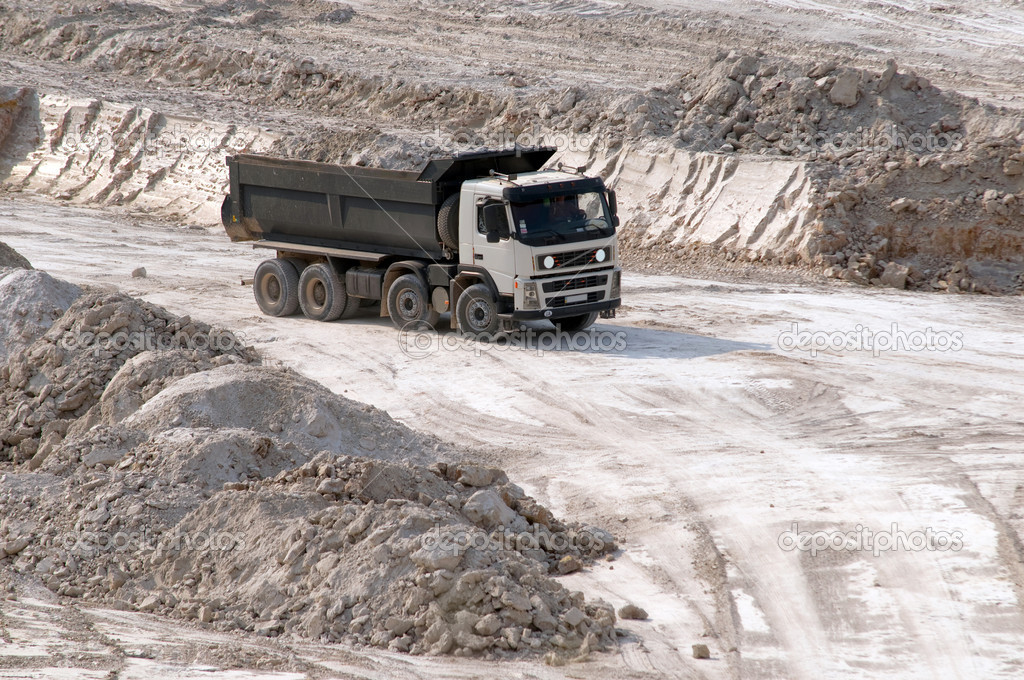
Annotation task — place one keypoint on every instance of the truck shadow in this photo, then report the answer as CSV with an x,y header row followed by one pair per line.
x,y
600,339
628,342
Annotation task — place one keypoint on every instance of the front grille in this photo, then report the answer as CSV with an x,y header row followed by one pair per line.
x,y
595,296
571,258
575,284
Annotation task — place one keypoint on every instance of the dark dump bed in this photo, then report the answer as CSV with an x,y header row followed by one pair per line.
x,y
353,207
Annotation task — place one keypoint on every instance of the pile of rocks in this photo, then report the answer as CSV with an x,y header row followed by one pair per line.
x,y
57,381
195,483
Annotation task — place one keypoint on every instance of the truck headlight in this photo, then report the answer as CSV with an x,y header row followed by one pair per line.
x,y
616,291
530,298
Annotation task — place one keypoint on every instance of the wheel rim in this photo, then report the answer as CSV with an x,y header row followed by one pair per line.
x,y
316,295
479,313
409,305
272,289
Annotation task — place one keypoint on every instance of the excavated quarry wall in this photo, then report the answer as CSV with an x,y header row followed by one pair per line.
x,y
89,151
676,199
872,175
874,178
96,152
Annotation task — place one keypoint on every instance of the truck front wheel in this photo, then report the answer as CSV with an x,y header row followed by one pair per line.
x,y
476,311
276,287
408,303
322,294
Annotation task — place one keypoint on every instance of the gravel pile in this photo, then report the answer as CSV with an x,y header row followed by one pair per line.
x,y
197,484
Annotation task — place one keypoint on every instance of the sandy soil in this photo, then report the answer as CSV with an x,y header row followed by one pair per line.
x,y
965,46
701,437
704,439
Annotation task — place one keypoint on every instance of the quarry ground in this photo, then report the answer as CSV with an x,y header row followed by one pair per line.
x,y
701,437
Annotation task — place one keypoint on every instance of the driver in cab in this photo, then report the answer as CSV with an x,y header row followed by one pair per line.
x,y
564,209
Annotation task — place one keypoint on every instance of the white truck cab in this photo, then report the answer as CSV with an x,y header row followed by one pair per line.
x,y
547,240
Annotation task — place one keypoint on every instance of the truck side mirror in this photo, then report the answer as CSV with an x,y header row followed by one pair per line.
x,y
613,207
496,222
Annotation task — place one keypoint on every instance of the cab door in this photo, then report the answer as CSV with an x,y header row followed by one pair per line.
x,y
497,258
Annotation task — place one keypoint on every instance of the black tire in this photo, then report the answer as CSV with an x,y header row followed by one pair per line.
x,y
276,287
408,303
575,324
477,311
322,294
448,222
299,265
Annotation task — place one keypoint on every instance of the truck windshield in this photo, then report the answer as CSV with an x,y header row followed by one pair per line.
x,y
561,219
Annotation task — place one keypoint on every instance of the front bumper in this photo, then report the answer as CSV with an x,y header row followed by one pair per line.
x,y
563,312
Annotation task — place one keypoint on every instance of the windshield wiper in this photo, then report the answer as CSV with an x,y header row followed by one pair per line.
x,y
605,230
560,236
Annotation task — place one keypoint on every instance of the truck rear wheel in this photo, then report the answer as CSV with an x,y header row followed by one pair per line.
x,y
575,324
322,293
448,222
408,303
276,287
476,311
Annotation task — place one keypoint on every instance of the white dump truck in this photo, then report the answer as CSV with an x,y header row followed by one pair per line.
x,y
489,236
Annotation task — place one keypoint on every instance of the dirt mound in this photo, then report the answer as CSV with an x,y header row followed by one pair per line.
x,y
60,377
12,259
337,548
853,171
154,465
287,405
30,301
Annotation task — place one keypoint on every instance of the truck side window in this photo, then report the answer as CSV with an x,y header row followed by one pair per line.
x,y
480,227
480,219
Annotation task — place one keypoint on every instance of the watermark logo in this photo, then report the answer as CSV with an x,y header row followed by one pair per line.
x,y
463,140
457,540
863,539
863,339
418,342
168,142
149,340
887,139
145,540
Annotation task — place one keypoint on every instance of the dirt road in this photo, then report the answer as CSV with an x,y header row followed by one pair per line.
x,y
699,432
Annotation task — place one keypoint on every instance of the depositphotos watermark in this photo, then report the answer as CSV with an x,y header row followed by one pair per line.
x,y
863,339
141,341
457,540
418,342
169,142
460,141
863,539
888,139
146,540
